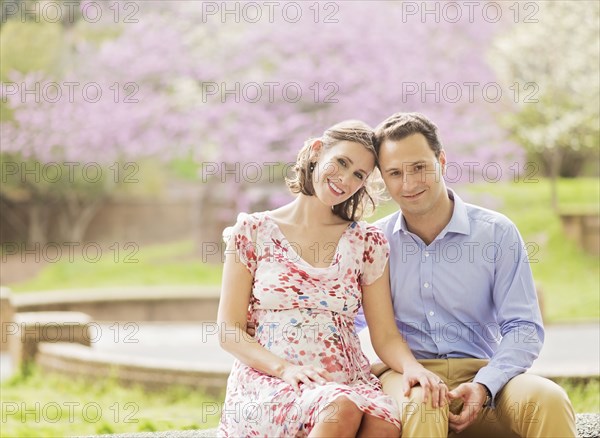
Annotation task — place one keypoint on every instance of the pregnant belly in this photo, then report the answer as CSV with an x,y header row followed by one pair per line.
x,y
323,339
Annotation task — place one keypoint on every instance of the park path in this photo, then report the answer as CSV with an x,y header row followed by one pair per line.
x,y
569,349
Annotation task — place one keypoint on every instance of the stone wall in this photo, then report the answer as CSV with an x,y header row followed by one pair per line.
x,y
157,303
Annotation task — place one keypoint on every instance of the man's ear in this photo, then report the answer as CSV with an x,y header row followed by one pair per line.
x,y
442,161
315,149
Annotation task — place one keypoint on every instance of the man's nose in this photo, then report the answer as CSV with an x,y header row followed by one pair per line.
x,y
410,180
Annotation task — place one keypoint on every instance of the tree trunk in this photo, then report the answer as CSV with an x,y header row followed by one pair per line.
x,y
75,217
37,230
554,172
12,219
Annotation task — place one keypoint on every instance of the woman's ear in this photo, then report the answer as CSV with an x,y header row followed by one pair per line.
x,y
315,150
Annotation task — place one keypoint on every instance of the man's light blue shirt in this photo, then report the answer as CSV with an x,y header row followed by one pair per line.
x,y
468,294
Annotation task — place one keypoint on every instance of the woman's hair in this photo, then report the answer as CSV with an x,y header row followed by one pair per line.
x,y
362,202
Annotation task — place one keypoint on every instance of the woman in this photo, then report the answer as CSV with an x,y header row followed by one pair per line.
x,y
299,274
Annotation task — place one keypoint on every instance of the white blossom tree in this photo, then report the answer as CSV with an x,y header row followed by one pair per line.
x,y
559,55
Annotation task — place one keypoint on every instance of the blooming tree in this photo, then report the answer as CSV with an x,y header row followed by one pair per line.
x,y
371,61
559,55
236,89
75,135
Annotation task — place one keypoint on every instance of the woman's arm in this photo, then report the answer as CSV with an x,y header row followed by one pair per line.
x,y
231,320
390,345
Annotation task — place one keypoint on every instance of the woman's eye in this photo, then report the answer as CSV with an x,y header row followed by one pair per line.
x,y
342,162
359,175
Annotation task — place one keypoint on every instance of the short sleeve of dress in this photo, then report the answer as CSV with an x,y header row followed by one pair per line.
x,y
375,255
243,234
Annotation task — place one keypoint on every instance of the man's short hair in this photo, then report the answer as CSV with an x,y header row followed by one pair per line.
x,y
401,125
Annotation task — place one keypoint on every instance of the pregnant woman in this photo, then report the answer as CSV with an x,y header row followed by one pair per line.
x,y
299,274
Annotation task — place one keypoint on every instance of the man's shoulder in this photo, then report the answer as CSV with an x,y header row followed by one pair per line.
x,y
481,216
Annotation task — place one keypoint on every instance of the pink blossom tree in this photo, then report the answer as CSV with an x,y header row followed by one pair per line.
x,y
252,91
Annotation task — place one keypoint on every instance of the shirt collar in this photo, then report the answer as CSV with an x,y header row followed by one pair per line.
x,y
459,222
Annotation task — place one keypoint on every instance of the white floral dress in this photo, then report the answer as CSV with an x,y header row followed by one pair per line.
x,y
305,315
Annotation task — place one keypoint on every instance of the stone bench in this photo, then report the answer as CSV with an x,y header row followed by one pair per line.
x,y
584,229
588,426
71,359
7,317
29,329
124,304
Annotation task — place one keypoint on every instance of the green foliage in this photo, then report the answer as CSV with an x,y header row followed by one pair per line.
x,y
563,105
27,47
30,46
185,168
76,406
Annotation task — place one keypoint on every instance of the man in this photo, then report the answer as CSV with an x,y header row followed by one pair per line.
x,y
464,298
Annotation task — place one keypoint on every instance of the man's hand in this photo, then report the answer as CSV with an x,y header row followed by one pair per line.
x,y
473,396
431,383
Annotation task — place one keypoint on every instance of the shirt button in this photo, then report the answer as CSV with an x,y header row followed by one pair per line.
x,y
426,285
431,313
426,253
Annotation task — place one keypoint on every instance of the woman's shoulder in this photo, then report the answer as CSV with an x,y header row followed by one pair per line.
x,y
251,218
245,223
370,231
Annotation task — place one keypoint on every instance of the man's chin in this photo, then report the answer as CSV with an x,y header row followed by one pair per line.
x,y
411,209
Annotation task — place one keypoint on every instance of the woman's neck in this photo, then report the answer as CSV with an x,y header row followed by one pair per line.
x,y
308,211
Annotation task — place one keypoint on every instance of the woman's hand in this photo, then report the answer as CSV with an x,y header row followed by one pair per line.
x,y
431,383
308,375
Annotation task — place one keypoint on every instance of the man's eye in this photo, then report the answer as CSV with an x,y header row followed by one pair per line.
x,y
419,168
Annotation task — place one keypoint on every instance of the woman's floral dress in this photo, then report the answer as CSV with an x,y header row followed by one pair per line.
x,y
305,315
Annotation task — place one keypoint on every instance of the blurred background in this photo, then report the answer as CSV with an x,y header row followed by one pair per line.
x,y
133,132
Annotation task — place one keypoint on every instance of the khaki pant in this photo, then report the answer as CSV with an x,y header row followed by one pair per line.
x,y
527,406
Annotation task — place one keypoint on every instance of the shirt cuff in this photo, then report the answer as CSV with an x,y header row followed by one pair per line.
x,y
493,378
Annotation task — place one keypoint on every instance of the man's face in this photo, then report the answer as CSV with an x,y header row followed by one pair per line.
x,y
413,175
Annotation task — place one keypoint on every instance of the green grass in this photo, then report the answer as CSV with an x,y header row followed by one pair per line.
x,y
105,407
49,405
583,393
173,263
568,277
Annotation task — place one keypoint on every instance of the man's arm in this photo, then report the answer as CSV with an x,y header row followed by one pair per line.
x,y
518,313
520,324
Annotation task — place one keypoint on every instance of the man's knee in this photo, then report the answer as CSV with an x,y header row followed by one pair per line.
x,y
529,401
419,419
531,391
414,409
552,399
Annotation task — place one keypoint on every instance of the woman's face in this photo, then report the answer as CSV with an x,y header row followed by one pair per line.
x,y
340,170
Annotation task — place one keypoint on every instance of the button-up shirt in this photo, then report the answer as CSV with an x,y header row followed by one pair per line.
x,y
468,294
